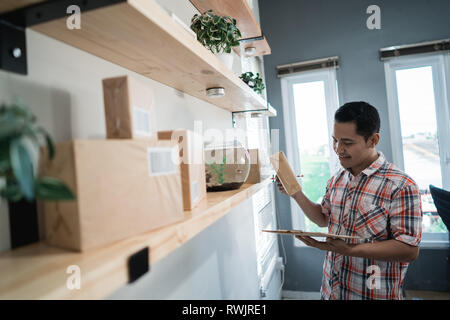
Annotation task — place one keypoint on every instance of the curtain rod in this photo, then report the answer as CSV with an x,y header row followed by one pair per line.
x,y
293,68
417,48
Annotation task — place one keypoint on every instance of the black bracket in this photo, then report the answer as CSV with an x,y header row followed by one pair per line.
x,y
138,264
13,55
261,37
13,51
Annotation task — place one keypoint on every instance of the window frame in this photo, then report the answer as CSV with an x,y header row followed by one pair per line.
x,y
328,76
440,64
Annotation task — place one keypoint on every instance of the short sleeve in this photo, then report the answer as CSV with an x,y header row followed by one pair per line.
x,y
326,202
405,215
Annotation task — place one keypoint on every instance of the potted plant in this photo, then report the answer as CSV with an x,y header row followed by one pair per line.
x,y
217,33
20,139
254,82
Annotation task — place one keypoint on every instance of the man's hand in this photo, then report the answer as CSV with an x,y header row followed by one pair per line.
x,y
280,186
333,245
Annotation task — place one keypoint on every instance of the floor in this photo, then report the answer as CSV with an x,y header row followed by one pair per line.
x,y
410,295
427,295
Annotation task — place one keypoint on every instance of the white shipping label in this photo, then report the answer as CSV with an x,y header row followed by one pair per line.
x,y
160,161
194,191
141,121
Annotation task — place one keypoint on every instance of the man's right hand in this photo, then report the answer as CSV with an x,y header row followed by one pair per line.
x,y
280,186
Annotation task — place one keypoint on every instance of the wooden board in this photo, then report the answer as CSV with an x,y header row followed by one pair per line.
x,y
38,271
312,234
140,36
10,5
245,21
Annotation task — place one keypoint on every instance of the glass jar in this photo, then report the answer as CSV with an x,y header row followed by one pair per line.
x,y
227,165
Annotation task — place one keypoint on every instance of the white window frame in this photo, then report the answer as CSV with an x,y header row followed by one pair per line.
x,y
290,127
440,64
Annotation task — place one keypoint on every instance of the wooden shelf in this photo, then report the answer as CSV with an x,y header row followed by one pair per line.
x,y
38,271
140,36
10,5
245,21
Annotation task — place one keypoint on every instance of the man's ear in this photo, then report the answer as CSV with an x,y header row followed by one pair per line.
x,y
373,140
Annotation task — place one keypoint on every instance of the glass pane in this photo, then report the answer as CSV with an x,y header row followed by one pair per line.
x,y
419,136
311,113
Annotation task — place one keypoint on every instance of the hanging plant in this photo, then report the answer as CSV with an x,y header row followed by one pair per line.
x,y
254,82
217,33
20,139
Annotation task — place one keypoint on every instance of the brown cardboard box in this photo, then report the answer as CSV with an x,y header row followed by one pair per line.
x,y
285,173
129,111
254,176
122,188
192,165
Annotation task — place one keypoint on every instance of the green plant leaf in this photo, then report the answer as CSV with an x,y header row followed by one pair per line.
x,y
216,20
9,127
22,168
49,141
48,188
11,193
5,163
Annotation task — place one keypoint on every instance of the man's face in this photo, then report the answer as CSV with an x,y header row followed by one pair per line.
x,y
351,148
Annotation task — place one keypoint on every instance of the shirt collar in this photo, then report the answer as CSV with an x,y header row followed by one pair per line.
x,y
373,167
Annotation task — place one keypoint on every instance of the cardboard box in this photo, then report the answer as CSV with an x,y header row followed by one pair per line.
x,y
254,176
285,173
122,188
129,111
193,179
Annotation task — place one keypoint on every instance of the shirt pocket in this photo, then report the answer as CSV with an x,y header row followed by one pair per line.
x,y
371,222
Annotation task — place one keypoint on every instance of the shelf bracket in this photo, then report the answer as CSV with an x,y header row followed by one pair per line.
x,y
13,24
138,264
270,112
261,37
13,51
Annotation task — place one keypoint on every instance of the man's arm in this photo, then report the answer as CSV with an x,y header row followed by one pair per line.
x,y
389,250
312,210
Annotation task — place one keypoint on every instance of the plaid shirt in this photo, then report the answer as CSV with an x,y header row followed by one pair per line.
x,y
380,203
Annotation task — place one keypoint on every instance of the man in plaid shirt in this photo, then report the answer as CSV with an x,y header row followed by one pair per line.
x,y
370,198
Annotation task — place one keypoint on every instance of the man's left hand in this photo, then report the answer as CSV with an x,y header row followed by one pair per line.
x,y
334,245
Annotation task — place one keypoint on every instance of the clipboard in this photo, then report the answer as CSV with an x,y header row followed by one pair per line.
x,y
313,234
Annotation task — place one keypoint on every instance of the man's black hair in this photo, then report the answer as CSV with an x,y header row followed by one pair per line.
x,y
364,115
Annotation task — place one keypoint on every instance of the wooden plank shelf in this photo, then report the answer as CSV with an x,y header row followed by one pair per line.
x,y
141,36
38,271
10,5
245,21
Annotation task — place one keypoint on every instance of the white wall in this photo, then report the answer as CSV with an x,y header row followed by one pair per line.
x,y
63,88
219,263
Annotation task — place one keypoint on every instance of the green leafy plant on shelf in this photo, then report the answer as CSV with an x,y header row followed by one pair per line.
x,y
217,33
254,82
20,139
219,169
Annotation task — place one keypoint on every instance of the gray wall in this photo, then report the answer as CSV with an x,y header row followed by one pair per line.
x,y
299,30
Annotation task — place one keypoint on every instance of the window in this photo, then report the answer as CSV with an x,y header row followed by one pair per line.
x,y
420,131
310,100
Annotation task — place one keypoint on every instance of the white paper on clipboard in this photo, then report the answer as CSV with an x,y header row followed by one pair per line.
x,y
313,234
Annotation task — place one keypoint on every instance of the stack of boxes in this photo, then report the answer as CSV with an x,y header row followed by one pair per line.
x,y
135,181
